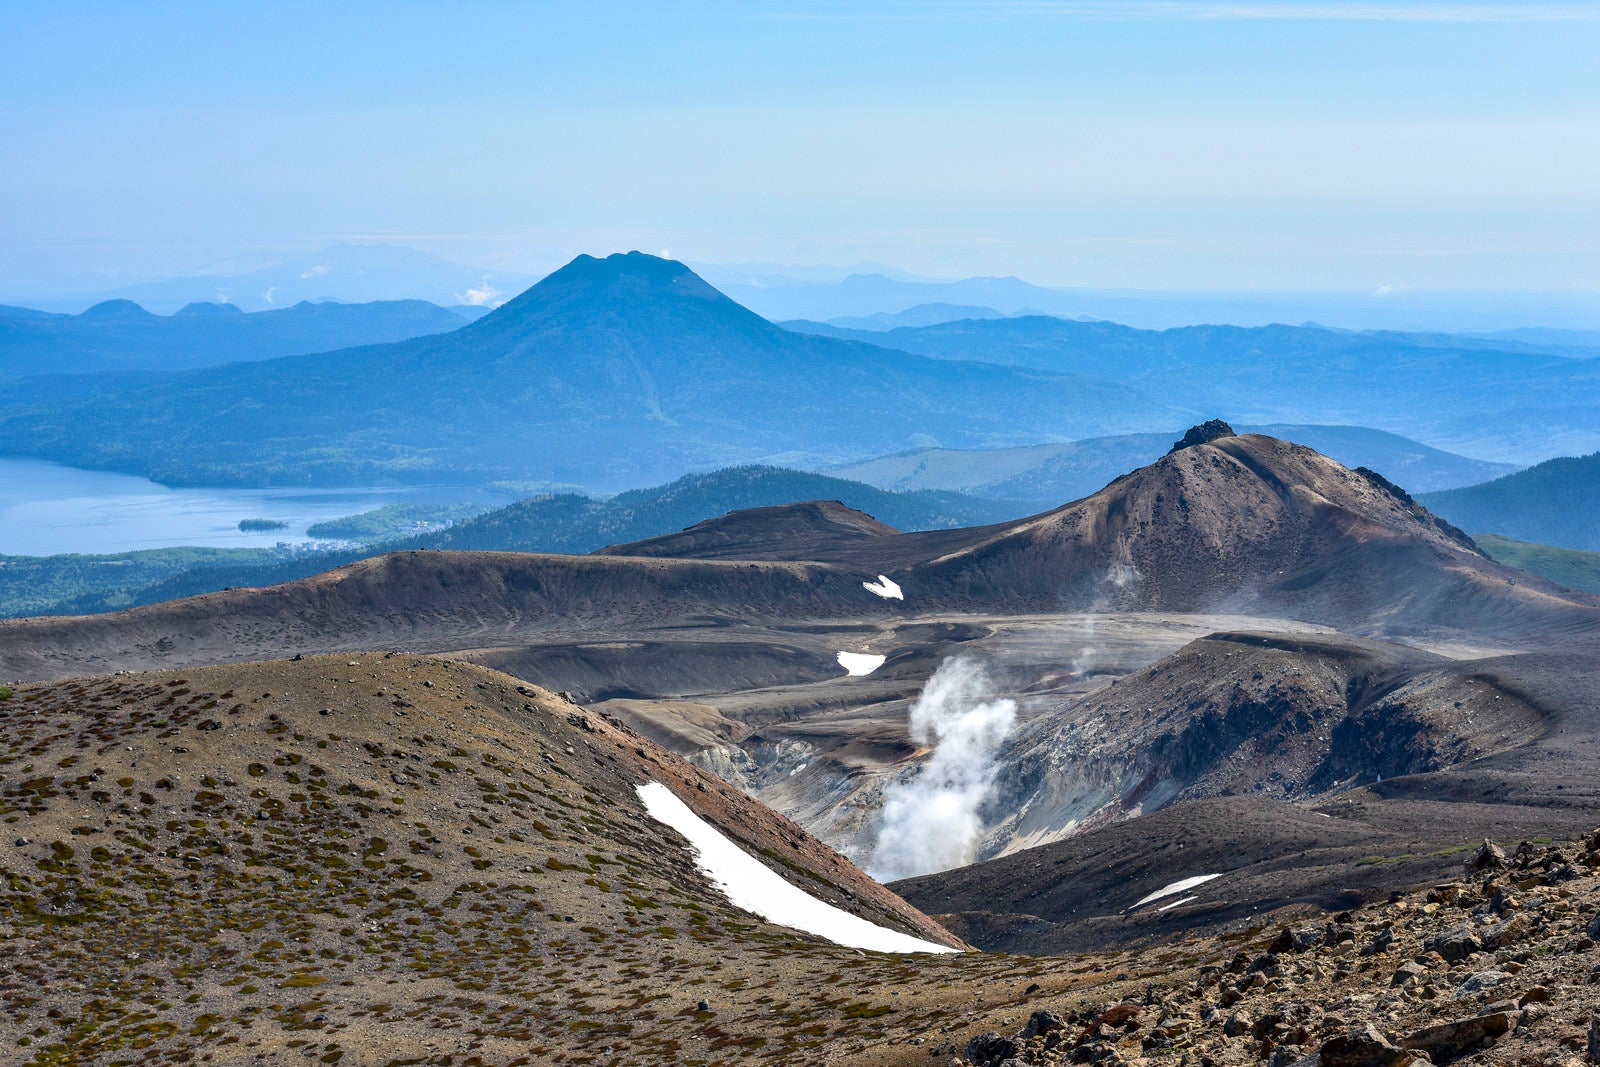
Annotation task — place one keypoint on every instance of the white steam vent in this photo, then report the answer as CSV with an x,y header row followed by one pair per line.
x,y
931,822
753,887
885,587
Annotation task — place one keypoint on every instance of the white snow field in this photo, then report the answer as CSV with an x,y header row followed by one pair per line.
x,y
752,887
1176,887
885,587
860,663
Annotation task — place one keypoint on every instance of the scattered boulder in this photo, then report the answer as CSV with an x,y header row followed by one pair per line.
x,y
991,1048
1455,944
1298,938
1041,1023
1407,973
1094,1052
1267,964
1380,942
1120,1015
1452,1040
1488,857
1365,1046
1478,983
1501,934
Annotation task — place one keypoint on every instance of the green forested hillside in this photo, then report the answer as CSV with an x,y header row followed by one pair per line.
x,y
72,583
1571,567
1556,502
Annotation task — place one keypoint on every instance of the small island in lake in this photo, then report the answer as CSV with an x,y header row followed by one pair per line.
x,y
261,525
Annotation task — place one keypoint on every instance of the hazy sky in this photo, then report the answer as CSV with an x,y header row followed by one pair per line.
x,y
1156,145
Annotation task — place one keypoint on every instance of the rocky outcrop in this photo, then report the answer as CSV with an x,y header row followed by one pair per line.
x,y
1418,980
1203,434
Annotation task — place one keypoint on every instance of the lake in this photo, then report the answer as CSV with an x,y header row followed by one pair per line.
x,y
46,508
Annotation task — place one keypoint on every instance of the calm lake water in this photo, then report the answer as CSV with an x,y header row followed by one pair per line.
x,y
46,509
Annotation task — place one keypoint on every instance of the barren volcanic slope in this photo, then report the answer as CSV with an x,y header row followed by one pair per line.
x,y
1231,523
1247,525
394,859
1309,769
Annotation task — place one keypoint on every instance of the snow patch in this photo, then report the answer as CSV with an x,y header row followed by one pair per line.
x,y
1176,887
1176,903
885,587
860,663
751,886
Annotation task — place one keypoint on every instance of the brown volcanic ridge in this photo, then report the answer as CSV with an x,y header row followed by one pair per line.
x,y
1243,524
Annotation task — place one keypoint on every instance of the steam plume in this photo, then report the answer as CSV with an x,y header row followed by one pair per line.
x,y
1113,588
932,822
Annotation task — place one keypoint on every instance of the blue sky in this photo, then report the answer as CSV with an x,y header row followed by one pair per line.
x,y
1344,146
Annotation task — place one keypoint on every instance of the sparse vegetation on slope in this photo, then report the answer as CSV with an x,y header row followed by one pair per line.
x,y
395,859
1571,567
388,859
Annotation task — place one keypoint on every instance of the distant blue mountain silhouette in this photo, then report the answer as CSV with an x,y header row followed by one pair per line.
x,y
609,373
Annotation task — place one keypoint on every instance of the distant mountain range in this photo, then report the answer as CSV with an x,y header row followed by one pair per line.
x,y
1048,475
347,273
921,315
1553,503
822,298
609,374
631,370
1499,400
1581,343
121,335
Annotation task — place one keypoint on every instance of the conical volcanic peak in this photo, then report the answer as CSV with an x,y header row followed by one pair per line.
x,y
116,309
626,289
